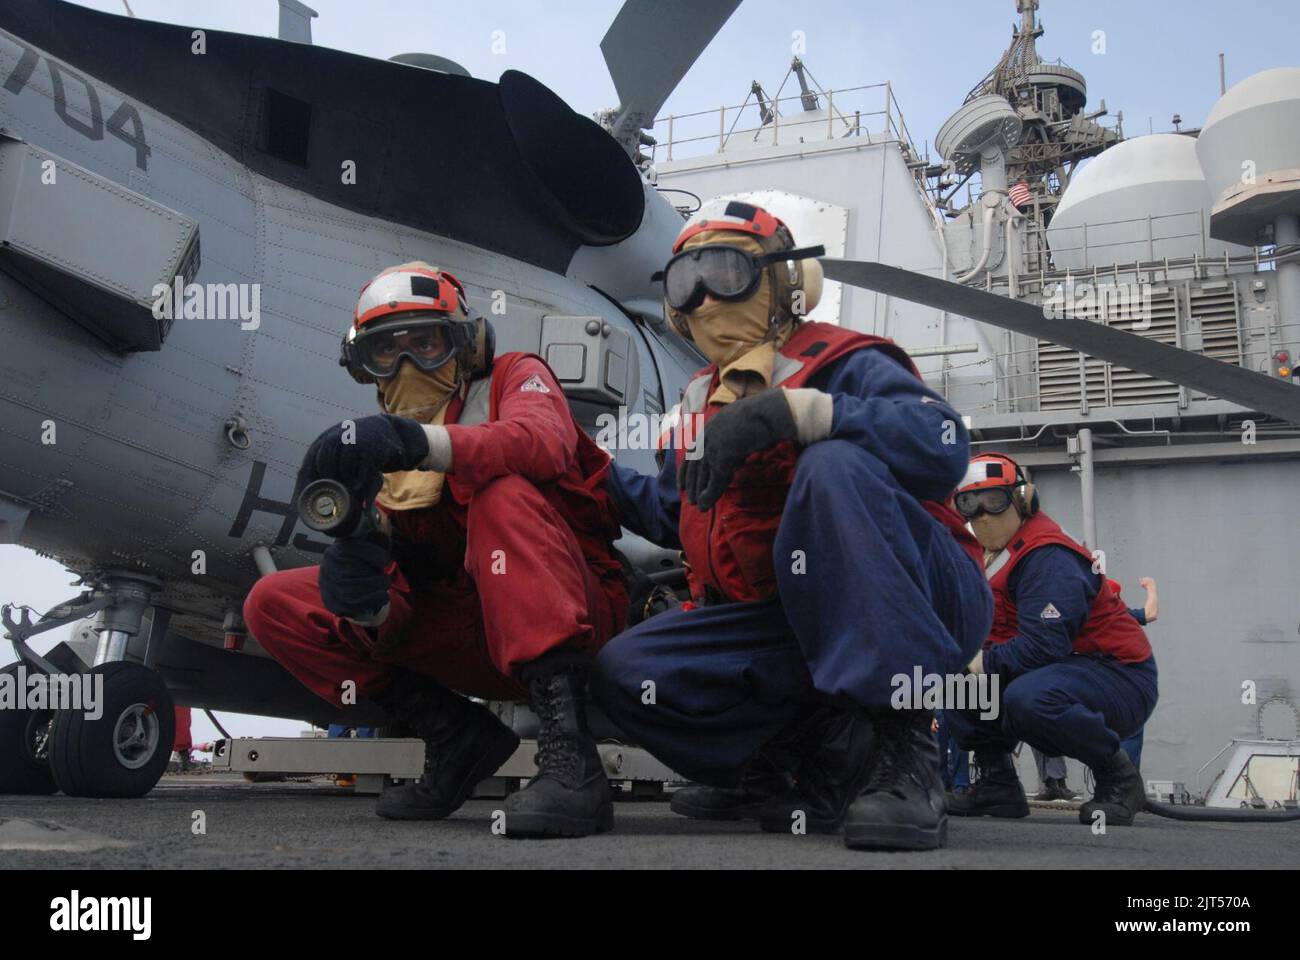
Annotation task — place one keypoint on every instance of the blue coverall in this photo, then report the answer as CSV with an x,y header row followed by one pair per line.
x,y
1061,703
1133,745
883,587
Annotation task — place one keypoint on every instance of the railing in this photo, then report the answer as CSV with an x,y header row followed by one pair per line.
x,y
1093,241
869,111
1191,223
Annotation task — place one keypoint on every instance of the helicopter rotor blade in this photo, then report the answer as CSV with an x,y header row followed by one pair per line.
x,y
1254,391
649,48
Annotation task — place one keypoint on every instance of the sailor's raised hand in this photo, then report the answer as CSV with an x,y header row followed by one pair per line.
x,y
358,453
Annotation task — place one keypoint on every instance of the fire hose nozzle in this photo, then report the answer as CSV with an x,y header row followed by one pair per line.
x,y
328,507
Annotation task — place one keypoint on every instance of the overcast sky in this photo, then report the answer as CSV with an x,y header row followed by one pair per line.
x,y
1160,56
1149,58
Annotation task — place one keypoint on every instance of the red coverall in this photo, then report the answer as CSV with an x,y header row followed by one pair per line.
x,y
183,741
515,560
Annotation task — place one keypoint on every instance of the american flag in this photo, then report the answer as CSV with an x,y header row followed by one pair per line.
x,y
1021,195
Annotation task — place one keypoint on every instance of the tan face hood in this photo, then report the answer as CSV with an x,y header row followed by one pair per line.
x,y
423,397
737,335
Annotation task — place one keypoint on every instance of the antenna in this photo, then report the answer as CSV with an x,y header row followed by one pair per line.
x,y
1026,9
807,99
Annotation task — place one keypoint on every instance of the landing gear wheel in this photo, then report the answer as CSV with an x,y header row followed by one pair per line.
x,y
124,752
24,736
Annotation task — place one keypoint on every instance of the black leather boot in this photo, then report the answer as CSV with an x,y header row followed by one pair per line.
x,y
760,782
997,792
463,744
902,805
1119,793
834,750
1061,790
570,796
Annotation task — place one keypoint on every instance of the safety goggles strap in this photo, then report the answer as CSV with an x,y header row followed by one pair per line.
x,y
795,253
778,256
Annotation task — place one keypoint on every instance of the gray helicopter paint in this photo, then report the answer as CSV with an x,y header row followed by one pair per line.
x,y
142,473
298,113
295,21
619,270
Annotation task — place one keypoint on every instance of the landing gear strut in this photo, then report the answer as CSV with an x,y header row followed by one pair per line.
x,y
118,743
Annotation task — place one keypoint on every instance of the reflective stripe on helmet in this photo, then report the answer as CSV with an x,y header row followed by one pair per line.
x,y
738,216
991,470
407,288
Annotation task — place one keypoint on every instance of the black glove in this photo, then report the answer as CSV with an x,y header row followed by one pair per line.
x,y
381,444
739,429
353,583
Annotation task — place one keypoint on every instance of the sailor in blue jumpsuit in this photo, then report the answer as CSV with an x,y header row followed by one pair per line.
x,y
822,559
883,588
1058,576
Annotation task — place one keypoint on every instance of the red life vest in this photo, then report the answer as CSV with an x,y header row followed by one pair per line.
x,y
579,495
729,548
1110,629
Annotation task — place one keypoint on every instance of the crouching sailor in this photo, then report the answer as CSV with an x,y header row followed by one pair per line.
x,y
1077,673
499,579
821,559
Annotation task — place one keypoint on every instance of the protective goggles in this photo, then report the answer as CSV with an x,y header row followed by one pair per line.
x,y
971,503
721,271
427,343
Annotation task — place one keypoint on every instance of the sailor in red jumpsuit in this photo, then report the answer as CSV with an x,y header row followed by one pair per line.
x,y
496,579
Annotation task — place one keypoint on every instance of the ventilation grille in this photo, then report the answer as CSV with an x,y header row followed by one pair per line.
x,y
1108,385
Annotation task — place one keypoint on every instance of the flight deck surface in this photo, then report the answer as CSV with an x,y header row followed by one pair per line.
x,y
317,825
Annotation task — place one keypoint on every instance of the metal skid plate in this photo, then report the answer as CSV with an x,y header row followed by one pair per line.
x,y
373,760
401,758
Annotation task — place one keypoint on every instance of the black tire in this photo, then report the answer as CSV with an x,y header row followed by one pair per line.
x,y
24,763
124,752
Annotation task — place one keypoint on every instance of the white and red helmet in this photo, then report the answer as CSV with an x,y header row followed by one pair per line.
x,y
413,300
409,288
